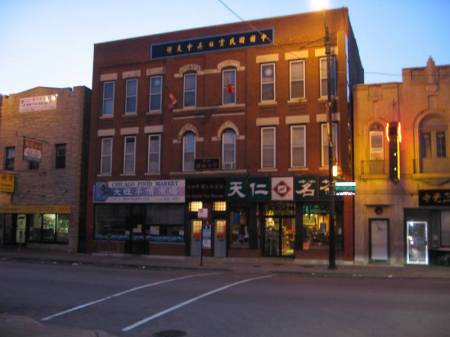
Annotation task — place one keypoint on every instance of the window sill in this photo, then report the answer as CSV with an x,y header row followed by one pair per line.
x,y
131,114
267,103
104,175
153,173
268,170
325,98
294,169
156,112
374,177
187,109
210,173
107,116
127,174
296,101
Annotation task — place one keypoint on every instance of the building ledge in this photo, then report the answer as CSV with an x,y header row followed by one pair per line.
x,y
374,177
209,173
433,178
223,107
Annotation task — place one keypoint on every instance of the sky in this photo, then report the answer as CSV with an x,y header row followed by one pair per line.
x,y
50,42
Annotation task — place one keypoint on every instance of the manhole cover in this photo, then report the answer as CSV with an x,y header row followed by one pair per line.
x,y
170,333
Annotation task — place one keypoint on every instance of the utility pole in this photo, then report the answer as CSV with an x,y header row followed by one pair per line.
x,y
330,106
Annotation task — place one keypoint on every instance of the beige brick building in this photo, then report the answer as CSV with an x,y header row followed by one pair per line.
x,y
43,162
403,216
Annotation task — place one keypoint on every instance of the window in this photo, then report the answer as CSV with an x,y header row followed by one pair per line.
x,y
60,156
228,150
156,85
268,147
190,90
131,96
433,140
154,153
129,154
10,156
229,86
268,82
425,145
106,156
239,229
440,145
324,77
188,151
376,140
194,206
297,79
108,98
324,136
33,165
298,141
49,228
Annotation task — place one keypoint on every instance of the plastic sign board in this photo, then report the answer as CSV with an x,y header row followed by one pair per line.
x,y
283,188
345,188
202,213
206,242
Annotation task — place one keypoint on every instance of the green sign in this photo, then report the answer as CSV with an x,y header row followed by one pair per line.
x,y
345,188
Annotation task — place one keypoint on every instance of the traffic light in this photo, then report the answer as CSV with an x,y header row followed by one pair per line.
x,y
394,138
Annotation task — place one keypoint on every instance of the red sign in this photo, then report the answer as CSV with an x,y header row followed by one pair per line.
x,y
282,188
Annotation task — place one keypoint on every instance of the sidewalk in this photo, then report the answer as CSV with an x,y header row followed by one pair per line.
x,y
317,268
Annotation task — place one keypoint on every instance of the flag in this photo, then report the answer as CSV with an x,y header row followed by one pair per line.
x,y
230,88
172,100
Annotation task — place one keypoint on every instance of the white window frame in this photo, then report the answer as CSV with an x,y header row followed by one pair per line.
x,y
103,156
274,147
273,82
154,94
233,163
158,135
125,154
234,84
324,76
131,96
113,83
184,147
191,90
324,131
376,153
293,127
303,95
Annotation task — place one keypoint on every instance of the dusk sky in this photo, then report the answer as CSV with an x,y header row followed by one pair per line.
x,y
50,42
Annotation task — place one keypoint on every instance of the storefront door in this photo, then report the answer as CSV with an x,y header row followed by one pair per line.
x,y
417,242
279,236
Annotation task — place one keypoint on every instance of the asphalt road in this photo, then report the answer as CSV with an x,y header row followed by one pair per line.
x,y
138,303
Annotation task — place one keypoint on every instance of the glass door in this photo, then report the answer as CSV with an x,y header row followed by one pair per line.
x,y
287,236
417,242
272,236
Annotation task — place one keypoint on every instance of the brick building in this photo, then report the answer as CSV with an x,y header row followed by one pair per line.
x,y
231,118
43,141
403,172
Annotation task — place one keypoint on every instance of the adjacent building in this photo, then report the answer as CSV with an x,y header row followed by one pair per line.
x,y
43,142
402,168
230,120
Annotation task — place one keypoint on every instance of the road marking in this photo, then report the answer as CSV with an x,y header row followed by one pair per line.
x,y
82,306
178,306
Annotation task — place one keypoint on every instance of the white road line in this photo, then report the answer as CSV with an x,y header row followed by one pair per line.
x,y
82,306
178,306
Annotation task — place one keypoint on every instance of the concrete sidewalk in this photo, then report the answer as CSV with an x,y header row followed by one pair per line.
x,y
316,268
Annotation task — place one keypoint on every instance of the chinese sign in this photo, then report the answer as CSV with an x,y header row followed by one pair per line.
x,y
32,150
206,164
6,182
38,103
305,187
434,198
157,191
212,43
283,189
248,188
205,188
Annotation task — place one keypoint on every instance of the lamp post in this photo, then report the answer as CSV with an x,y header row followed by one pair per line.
x,y
330,107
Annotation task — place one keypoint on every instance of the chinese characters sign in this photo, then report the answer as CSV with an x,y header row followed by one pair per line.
x,y
248,188
205,188
434,198
6,182
157,191
206,164
212,43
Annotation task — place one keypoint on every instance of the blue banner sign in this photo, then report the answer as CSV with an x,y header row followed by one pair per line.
x,y
211,43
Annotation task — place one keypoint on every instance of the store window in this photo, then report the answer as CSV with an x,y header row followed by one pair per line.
x,y
316,227
188,151
229,86
324,77
106,156
49,228
108,98
129,155
190,90
325,142
60,156
239,230
219,206
268,82
297,79
194,206
229,150
131,90
165,223
156,85
111,222
154,154
10,157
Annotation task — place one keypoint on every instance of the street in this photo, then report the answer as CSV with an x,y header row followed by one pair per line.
x,y
138,303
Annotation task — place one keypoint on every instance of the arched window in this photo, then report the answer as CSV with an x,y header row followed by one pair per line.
x,y
229,86
433,145
188,151
376,141
228,149
190,90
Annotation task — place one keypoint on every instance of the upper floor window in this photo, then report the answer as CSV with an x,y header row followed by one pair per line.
x,y
268,82
229,86
33,165
325,142
156,85
190,90
106,156
228,149
324,76
376,142
129,154
433,138
10,157
108,98
268,147
297,79
60,156
298,146
131,88
189,151
154,153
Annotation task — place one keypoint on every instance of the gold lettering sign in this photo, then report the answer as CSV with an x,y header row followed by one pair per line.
x,y
7,182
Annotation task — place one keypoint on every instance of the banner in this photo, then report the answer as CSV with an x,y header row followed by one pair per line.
x,y
6,182
140,191
32,150
38,103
